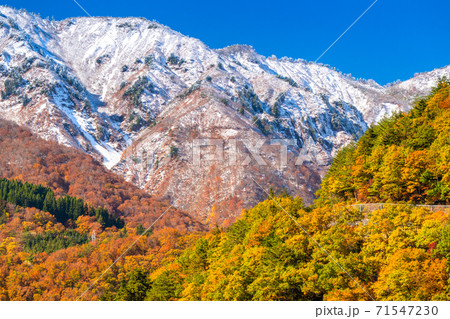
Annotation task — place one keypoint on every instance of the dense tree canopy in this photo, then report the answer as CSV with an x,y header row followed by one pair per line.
x,y
263,256
64,208
266,256
405,157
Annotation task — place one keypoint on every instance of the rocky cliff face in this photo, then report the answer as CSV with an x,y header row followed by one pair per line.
x,y
200,126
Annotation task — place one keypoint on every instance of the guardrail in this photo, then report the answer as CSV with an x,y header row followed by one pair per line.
x,y
375,206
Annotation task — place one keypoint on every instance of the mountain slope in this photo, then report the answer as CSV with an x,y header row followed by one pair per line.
x,y
403,158
226,174
70,172
107,86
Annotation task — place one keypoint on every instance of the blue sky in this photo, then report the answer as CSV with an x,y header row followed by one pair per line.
x,y
394,40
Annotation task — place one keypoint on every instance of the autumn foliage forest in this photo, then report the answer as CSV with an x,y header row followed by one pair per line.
x,y
405,158
399,252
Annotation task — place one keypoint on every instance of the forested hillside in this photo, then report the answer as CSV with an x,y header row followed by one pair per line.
x,y
66,171
397,253
44,259
405,157
64,209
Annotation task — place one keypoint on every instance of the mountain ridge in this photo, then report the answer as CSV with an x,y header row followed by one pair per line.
x,y
104,85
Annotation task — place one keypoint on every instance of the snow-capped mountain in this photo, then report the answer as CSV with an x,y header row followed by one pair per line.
x,y
138,96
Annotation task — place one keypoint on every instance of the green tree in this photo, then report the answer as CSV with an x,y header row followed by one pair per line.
x,y
135,287
167,286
